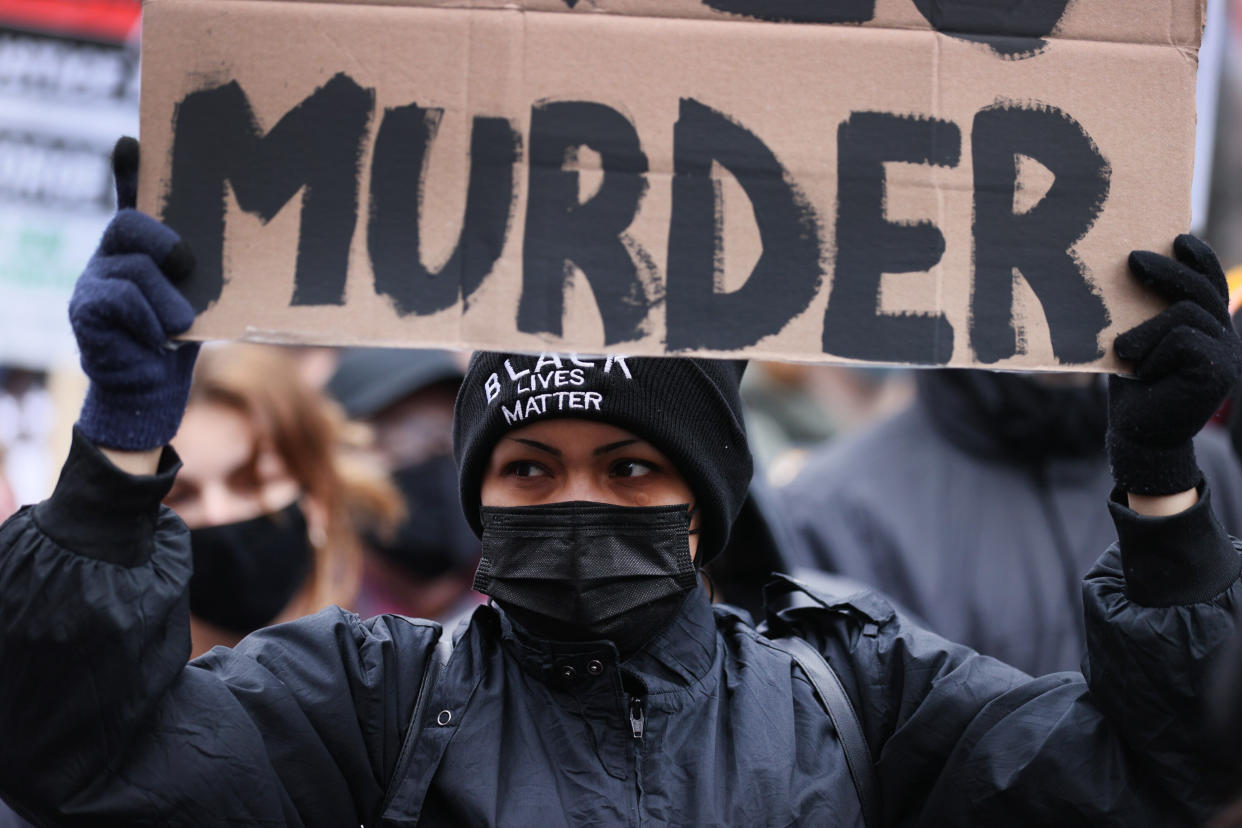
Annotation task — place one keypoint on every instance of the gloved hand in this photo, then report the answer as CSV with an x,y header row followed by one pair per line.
x,y
1235,402
1186,359
123,310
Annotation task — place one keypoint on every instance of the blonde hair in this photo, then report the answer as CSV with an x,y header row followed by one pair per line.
x,y
309,432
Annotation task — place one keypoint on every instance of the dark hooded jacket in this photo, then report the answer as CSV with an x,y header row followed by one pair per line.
x,y
977,509
304,723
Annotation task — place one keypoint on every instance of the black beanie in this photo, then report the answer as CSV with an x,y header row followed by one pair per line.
x,y
689,409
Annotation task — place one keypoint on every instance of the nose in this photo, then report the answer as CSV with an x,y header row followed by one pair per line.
x,y
583,485
219,505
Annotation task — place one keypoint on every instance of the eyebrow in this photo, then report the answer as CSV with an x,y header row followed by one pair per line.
x,y
615,446
535,444
555,452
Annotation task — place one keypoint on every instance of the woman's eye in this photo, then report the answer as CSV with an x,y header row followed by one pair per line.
x,y
631,468
525,468
245,482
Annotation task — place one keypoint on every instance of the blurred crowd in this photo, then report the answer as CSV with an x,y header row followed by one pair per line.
x,y
316,476
313,477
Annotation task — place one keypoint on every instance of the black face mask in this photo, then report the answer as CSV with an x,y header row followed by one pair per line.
x,y
588,571
1014,416
435,539
246,573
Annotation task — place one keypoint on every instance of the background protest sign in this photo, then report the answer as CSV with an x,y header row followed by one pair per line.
x,y
68,88
900,181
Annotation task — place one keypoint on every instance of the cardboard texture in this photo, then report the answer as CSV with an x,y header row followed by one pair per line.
x,y
896,181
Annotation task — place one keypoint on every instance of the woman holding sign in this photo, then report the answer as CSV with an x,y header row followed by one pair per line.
x,y
600,687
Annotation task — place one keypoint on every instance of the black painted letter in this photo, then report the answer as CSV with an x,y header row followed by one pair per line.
x,y
787,275
397,201
1011,29
799,11
1037,243
869,246
315,147
560,230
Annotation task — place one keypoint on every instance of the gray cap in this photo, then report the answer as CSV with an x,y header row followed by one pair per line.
x,y
368,380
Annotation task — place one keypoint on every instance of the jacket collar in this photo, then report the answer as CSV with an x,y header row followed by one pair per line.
x,y
677,657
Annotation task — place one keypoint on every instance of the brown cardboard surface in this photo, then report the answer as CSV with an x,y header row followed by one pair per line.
x,y
1130,21
1121,71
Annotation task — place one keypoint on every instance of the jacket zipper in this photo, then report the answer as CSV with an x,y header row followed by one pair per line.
x,y
638,723
637,717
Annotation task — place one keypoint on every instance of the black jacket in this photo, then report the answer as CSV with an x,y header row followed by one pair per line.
x,y
984,549
303,724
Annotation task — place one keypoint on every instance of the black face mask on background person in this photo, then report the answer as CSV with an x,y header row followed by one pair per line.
x,y
434,539
245,573
588,571
1014,416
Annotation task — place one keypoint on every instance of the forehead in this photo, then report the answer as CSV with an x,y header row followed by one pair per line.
x,y
213,441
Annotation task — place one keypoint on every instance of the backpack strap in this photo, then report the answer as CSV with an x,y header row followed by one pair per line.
x,y
840,710
785,599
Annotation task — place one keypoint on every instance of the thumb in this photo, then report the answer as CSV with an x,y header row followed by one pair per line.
x,y
125,171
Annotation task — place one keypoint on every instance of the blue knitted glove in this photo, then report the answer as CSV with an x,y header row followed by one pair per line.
x,y
124,309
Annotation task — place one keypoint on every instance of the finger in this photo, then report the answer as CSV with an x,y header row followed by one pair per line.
x,y
1185,351
1198,255
125,172
111,305
1134,345
133,232
171,308
186,354
1175,281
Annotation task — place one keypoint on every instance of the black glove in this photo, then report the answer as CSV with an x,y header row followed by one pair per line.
x,y
123,310
1235,403
1186,359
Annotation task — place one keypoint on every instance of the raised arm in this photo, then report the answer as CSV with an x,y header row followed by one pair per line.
x,y
124,310
101,719
1186,359
961,739
143,460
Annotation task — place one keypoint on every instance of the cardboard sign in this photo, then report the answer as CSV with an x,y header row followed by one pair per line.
x,y
898,181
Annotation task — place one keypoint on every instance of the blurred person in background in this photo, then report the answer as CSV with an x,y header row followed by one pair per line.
x,y
425,565
977,508
793,407
270,493
27,417
316,363
782,414
8,503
